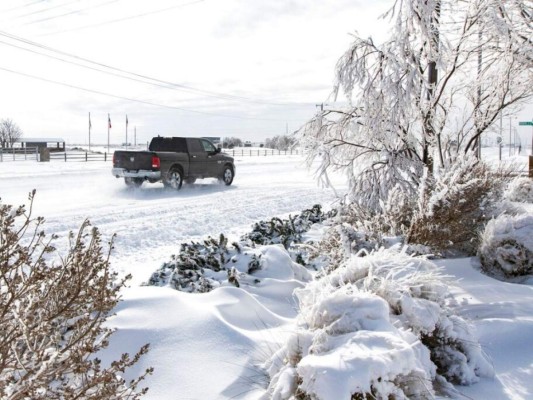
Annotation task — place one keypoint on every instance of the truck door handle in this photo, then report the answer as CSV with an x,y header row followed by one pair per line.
x,y
193,156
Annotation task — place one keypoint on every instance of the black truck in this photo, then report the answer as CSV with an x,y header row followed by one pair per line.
x,y
173,160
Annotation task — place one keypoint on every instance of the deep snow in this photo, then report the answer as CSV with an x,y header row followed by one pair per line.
x,y
209,346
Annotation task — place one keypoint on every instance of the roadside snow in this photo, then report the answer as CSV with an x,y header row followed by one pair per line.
x,y
210,346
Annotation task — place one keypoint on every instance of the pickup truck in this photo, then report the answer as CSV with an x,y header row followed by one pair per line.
x,y
173,160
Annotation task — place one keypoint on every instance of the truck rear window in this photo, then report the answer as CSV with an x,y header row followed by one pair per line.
x,y
177,145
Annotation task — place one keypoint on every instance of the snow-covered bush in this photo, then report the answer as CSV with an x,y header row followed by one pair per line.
x,y
53,315
521,190
285,231
200,267
454,207
506,248
379,326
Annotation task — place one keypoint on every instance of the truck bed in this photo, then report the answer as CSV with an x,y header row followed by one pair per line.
x,y
133,160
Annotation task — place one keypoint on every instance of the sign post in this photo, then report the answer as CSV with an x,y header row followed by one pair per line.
x,y
528,123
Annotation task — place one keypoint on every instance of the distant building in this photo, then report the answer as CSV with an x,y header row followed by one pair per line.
x,y
54,144
247,144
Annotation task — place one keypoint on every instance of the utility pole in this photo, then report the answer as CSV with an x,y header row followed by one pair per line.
x,y
135,135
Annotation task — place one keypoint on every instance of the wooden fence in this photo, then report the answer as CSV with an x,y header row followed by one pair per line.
x,y
81,156
259,152
86,156
19,154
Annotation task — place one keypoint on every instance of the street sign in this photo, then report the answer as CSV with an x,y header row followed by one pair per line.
x,y
525,123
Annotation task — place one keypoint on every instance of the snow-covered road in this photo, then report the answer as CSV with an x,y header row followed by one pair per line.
x,y
151,221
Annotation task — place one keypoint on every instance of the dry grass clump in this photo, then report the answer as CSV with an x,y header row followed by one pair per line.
x,y
52,315
454,208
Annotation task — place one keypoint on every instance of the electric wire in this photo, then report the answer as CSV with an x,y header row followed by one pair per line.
x,y
153,81
135,100
24,5
71,12
46,9
122,19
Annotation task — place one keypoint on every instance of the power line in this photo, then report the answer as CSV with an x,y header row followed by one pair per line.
x,y
123,19
132,99
71,12
153,81
24,5
46,9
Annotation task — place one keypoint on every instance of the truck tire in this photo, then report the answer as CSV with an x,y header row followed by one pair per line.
x,y
133,182
227,175
174,179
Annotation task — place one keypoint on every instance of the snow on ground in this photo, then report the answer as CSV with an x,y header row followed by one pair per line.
x,y
151,221
208,346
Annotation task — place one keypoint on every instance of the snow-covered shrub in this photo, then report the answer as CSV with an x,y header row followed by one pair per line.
x,y
521,190
454,207
506,248
358,230
53,315
203,266
285,231
379,326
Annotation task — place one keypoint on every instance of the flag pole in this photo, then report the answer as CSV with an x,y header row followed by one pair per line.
x,y
89,131
135,136
108,126
126,131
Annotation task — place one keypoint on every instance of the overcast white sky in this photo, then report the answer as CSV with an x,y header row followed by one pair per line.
x,y
246,68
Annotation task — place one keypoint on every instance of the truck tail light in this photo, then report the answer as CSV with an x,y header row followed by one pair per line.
x,y
156,162
113,158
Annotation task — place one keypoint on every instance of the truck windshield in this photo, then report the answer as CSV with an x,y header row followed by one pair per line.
x,y
177,145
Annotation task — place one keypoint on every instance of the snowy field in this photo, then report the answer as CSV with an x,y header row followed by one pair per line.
x,y
209,346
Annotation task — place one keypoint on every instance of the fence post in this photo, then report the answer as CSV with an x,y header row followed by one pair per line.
x,y
531,166
65,156
105,156
1,155
85,156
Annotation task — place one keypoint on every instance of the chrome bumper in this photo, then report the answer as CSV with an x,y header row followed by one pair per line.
x,y
141,173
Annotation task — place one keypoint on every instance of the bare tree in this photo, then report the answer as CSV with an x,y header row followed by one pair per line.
x,y
9,133
426,95
52,315
231,142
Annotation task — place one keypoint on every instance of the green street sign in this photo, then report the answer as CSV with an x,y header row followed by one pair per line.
x,y
526,123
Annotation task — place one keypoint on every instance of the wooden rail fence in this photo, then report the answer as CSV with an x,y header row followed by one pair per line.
x,y
86,156
19,154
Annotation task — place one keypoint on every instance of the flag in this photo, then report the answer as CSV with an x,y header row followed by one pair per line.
x,y
108,121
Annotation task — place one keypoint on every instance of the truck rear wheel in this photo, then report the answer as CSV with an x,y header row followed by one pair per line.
x,y
174,179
